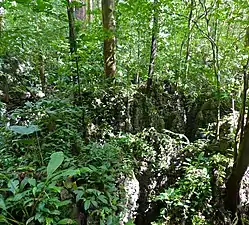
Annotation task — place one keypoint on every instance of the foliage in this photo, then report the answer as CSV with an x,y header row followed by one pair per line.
x,y
193,195
69,136
31,192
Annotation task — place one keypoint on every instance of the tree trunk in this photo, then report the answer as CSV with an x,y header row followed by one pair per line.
x,y
72,34
109,41
89,10
73,46
80,13
240,167
153,44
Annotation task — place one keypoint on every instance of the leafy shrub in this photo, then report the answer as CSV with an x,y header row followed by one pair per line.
x,y
89,182
30,198
192,196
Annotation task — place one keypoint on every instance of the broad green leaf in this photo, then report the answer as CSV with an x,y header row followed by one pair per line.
x,y
32,181
2,204
64,173
24,130
66,221
62,203
103,199
20,196
23,183
13,186
87,204
79,195
94,203
109,220
55,161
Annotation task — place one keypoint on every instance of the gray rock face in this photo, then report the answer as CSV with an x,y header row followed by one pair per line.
x,y
131,186
244,190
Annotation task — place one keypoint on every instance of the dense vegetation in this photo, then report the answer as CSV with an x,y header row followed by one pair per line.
x,y
124,112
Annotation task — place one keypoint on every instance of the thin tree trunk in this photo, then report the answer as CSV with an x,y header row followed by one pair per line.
x,y
73,45
153,44
241,120
4,78
239,169
245,68
89,10
109,41
72,34
80,13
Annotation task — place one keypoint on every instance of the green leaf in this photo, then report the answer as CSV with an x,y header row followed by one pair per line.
x,y
23,183
66,221
49,220
62,203
3,219
103,199
95,203
20,196
24,130
55,161
32,181
23,1
109,220
30,220
79,195
87,204
2,204
129,223
13,186
34,190
65,173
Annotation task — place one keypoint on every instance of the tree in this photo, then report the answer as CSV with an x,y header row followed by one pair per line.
x,y
242,157
153,43
73,45
89,10
109,40
80,12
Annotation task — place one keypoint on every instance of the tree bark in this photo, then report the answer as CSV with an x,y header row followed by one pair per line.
x,y
239,169
153,44
80,13
109,41
89,10
73,46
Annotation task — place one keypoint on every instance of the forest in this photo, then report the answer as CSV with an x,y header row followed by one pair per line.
x,y
124,112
